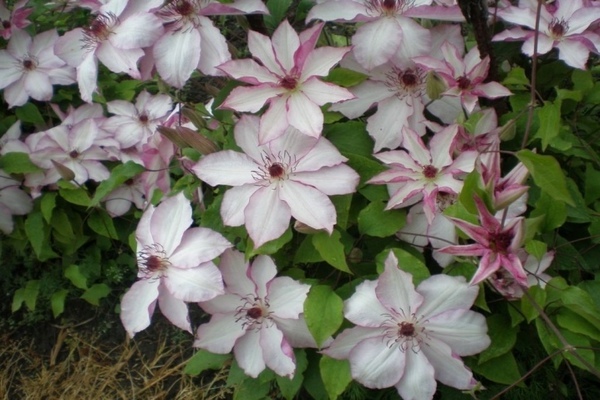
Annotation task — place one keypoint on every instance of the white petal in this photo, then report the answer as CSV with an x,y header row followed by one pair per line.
x,y
137,305
418,381
375,364
449,369
277,352
463,330
376,42
225,168
308,205
363,308
170,220
219,334
304,115
213,48
249,353
285,43
174,309
235,202
198,245
267,216
176,56
286,297
443,292
339,179
194,284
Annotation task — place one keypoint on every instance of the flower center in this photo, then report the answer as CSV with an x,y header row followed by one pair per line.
x,y
404,331
388,8
179,13
430,172
275,168
29,64
143,118
253,312
74,154
99,30
463,83
558,28
289,83
406,82
500,241
6,24
153,261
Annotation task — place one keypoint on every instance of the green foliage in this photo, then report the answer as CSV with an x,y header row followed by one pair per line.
x,y
323,312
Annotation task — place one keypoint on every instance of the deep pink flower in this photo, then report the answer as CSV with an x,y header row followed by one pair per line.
x,y
506,285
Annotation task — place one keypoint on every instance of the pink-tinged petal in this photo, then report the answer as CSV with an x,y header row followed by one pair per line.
x,y
15,94
219,334
464,163
194,284
416,41
321,93
121,107
512,34
285,43
169,221
488,264
488,221
225,167
251,98
377,365
448,184
418,381
346,341
367,94
416,148
274,122
222,304
308,41
277,352
339,179
249,353
364,309
573,53
492,90
261,272
234,268
405,194
475,232
304,115
395,289
513,265
308,205
296,332
15,200
581,18
376,42
338,10
261,48
462,329
136,31
313,154
518,16
442,145
470,250
176,55
38,86
544,45
174,309
235,202
443,292
213,48
286,297
267,216
137,305
449,369
249,71
236,7
386,125
198,245
442,13
69,47
120,60
9,73
321,60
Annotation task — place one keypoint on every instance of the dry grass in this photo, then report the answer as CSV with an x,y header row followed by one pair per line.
x,y
81,366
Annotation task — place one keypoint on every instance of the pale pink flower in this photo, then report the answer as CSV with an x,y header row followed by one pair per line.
x,y
564,25
506,285
389,33
287,80
409,338
29,68
116,37
497,245
292,175
418,173
259,316
175,266
13,201
464,77
13,19
191,41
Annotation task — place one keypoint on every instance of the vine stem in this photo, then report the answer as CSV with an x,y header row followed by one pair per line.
x,y
533,74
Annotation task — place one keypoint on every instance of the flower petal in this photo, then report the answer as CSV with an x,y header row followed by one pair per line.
x,y
449,370
395,289
418,381
376,365
304,115
235,202
170,220
220,334
308,205
174,309
277,352
226,167
462,329
375,42
249,353
137,305
194,284
176,55
363,308
286,297
198,245
339,179
267,216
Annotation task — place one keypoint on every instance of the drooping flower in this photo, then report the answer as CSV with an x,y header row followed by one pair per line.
x,y
286,80
259,316
563,24
418,173
290,176
409,338
175,266
497,245
29,68
505,283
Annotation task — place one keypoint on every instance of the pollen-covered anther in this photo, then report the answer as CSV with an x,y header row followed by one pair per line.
x,y
406,82
557,28
275,168
254,311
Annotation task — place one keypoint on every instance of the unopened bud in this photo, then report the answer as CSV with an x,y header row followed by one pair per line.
x,y
194,116
355,256
172,135
508,131
65,172
435,85
197,141
303,228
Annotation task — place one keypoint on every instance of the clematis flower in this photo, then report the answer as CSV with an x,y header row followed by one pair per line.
x,y
497,245
14,19
13,201
506,285
420,174
191,40
564,25
389,33
29,68
175,266
409,338
286,80
259,316
289,176
464,78
116,37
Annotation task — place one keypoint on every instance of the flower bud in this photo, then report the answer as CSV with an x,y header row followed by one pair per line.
x,y
65,172
435,85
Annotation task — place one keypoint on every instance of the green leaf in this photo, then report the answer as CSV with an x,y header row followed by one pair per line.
x,y
95,293
547,174
37,233
336,375
62,224
549,116
47,205
536,248
252,389
472,188
580,302
277,12
407,262
574,322
18,299
73,273
57,302
30,295
119,175
289,387
17,163
527,308
307,253
503,337
30,113
374,220
102,224
502,369
350,138
592,184
516,76
345,77
74,194
323,311
203,360
553,213
342,209
271,246
331,249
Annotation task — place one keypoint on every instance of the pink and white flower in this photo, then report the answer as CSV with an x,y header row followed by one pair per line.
x,y
289,176
409,338
13,201
259,316
175,266
29,68
286,79
506,285
13,19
